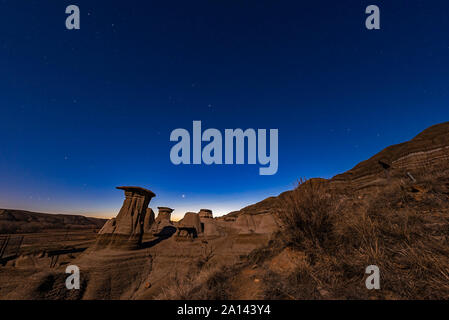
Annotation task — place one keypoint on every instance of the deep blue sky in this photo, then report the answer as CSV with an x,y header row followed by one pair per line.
x,y
87,110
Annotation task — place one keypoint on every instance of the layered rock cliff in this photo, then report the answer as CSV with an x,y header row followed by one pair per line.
x,y
424,154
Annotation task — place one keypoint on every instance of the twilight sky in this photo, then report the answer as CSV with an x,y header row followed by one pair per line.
x,y
84,111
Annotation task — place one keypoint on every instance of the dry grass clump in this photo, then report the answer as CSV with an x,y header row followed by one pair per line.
x,y
204,280
403,229
200,284
307,215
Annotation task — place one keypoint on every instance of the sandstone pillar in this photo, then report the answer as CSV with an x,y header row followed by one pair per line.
x,y
126,230
164,213
163,226
205,214
189,226
149,220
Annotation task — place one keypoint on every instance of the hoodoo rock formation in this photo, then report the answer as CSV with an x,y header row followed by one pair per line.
x,y
163,226
205,214
149,220
209,225
189,226
126,230
164,213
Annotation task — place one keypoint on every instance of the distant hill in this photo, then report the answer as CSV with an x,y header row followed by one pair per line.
x,y
19,221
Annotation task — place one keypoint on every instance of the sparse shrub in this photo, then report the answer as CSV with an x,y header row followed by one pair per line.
x,y
260,255
206,284
307,215
207,255
298,285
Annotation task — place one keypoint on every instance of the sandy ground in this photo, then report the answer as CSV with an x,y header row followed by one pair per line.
x,y
39,270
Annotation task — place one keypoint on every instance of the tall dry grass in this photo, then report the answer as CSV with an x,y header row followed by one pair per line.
x,y
306,215
402,228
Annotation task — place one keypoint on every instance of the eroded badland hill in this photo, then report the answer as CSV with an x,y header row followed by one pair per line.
x,y
313,242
